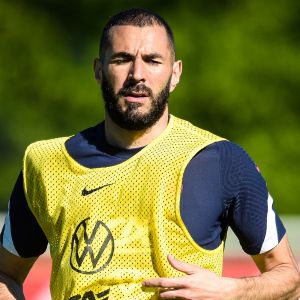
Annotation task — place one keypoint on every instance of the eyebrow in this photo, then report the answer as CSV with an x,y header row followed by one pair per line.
x,y
153,56
123,54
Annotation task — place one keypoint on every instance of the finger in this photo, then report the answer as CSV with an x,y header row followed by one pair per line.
x,y
165,283
182,266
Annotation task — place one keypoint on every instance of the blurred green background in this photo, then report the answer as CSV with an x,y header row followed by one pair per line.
x,y
241,77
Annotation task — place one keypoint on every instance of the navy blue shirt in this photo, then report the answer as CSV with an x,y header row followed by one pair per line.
x,y
221,187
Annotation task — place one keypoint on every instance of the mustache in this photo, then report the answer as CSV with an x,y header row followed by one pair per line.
x,y
132,87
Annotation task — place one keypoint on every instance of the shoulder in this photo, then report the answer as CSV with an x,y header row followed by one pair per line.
x,y
228,148
236,169
227,151
232,156
39,152
228,162
45,145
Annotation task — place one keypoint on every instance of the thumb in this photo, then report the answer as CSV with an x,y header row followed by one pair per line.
x,y
182,266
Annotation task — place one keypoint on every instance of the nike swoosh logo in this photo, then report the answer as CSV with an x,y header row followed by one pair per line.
x,y
86,192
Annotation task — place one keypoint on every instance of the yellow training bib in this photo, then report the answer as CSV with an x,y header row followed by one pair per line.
x,y
111,228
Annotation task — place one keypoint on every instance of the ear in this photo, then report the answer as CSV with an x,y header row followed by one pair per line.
x,y
98,70
176,73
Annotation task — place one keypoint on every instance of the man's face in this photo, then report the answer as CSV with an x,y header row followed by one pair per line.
x,y
137,75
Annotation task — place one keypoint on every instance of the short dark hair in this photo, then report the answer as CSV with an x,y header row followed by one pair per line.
x,y
139,17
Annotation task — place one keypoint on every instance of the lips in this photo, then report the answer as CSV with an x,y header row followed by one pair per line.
x,y
136,98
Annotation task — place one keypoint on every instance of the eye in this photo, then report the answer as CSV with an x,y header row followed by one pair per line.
x,y
153,61
120,61
156,62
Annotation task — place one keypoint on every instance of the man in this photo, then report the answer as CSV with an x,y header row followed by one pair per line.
x,y
118,200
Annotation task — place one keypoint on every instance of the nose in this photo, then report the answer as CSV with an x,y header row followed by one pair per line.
x,y
137,71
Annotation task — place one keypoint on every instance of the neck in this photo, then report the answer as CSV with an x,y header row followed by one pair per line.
x,y
128,139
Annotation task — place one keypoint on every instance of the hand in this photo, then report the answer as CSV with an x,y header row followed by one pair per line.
x,y
198,283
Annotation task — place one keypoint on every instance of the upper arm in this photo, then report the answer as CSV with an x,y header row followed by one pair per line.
x,y
14,266
279,256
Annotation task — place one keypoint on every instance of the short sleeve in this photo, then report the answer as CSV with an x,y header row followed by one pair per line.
x,y
21,233
251,213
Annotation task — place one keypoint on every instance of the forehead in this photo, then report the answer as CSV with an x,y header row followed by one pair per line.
x,y
135,39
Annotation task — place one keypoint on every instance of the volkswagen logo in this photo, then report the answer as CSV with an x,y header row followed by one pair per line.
x,y
92,247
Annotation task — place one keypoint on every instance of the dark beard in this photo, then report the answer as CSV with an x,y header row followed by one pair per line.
x,y
131,119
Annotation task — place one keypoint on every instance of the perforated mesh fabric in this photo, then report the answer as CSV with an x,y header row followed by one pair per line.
x,y
111,228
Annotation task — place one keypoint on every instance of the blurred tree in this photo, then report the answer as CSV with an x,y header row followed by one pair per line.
x,y
241,77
